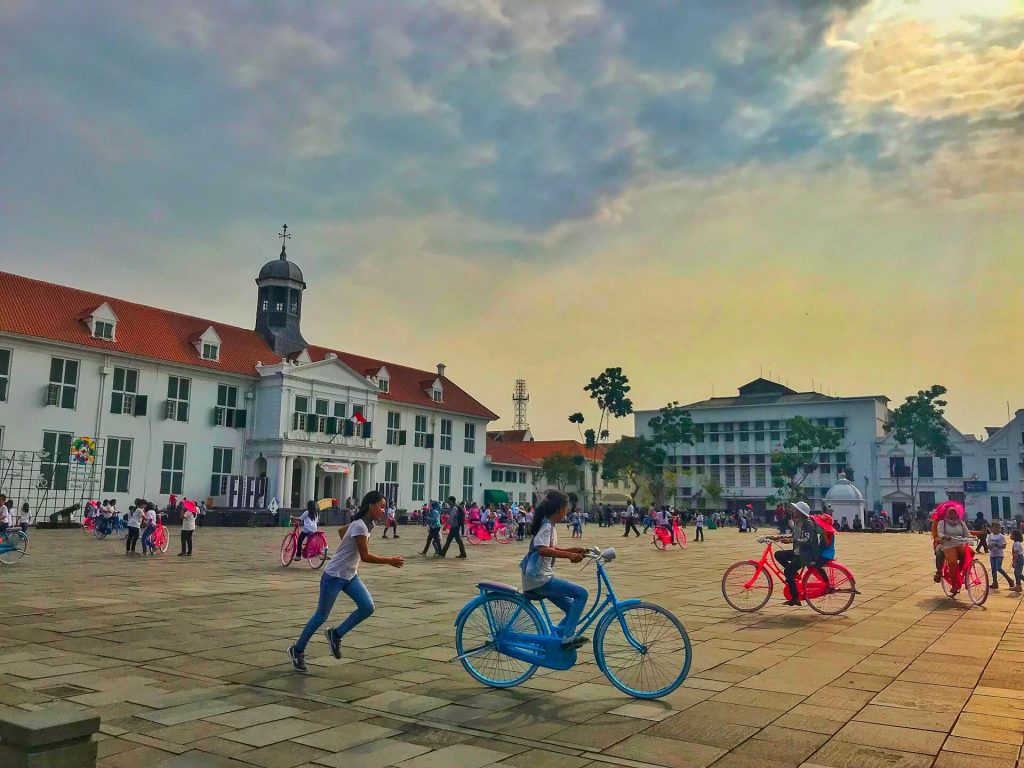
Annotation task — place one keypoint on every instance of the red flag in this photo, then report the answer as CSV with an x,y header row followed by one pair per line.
x,y
358,417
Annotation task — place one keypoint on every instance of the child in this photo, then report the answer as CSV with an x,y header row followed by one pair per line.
x,y
996,551
149,518
577,524
341,575
1018,559
538,567
390,521
134,524
308,520
433,530
521,525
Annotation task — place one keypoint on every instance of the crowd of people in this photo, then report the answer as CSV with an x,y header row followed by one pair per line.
x,y
141,521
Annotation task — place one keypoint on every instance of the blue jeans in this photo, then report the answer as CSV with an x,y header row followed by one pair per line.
x,y
1018,571
147,538
330,588
997,567
571,598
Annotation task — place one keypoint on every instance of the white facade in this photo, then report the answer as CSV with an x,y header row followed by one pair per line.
x,y
740,433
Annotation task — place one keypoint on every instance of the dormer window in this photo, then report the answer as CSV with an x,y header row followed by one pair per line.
x,y
102,322
384,385
382,378
437,395
207,344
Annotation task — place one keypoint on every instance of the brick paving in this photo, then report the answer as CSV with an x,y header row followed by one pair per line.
x,y
185,661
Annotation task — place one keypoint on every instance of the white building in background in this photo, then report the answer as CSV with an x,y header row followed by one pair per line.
x,y
178,404
740,433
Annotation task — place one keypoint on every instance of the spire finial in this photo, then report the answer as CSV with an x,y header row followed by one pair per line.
x,y
283,234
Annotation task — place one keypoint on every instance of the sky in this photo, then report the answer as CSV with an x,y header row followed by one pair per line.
x,y
698,192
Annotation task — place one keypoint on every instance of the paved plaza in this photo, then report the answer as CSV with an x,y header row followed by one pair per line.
x,y
185,661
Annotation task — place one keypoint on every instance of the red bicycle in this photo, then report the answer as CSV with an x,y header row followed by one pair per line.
x,y
159,536
973,574
314,548
663,539
477,533
748,585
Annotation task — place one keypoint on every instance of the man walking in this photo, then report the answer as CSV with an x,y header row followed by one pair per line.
x,y
699,523
456,522
630,519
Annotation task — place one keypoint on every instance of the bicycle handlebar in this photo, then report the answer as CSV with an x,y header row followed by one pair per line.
x,y
968,540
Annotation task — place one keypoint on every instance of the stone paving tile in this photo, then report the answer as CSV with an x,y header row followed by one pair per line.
x,y
164,663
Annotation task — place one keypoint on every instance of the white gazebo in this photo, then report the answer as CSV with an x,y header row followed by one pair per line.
x,y
846,500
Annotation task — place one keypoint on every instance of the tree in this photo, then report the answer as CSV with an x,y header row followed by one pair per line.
x,y
713,489
634,460
559,469
919,421
671,427
792,466
608,389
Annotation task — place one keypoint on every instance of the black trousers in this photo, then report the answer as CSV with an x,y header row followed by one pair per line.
x,y
298,545
387,526
454,534
700,534
631,524
186,542
132,540
433,537
790,565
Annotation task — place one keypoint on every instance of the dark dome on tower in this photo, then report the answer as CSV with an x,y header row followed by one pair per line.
x,y
281,269
279,303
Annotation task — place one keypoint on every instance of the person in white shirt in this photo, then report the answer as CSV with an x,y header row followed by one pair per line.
x,y
341,575
149,525
630,519
5,514
134,526
189,512
390,521
698,522
308,520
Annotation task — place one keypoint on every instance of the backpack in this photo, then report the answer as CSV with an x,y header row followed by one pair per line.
x,y
531,562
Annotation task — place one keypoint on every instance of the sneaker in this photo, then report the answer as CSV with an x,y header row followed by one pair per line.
x,y
995,586
298,659
335,642
181,554
463,557
937,578
575,642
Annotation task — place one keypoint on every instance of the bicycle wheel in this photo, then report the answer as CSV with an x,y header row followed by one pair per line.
x,y
643,650
161,539
501,535
976,583
471,536
24,537
833,601
316,551
681,538
287,550
12,548
658,542
476,632
744,588
120,531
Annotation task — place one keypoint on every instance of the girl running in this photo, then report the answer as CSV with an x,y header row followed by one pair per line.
x,y
341,575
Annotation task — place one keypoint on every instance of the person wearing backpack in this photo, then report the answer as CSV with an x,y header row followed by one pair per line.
x,y
538,567
806,540
433,530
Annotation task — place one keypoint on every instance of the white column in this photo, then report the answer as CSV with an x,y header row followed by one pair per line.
x,y
286,485
371,475
309,480
280,468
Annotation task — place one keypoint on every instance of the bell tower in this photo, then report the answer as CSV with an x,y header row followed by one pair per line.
x,y
279,302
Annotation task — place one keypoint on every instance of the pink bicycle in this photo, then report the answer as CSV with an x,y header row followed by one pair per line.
x,y
314,548
477,533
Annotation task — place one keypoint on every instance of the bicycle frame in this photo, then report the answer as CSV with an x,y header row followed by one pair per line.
x,y
767,562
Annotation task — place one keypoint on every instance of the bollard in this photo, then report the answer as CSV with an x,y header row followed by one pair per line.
x,y
57,737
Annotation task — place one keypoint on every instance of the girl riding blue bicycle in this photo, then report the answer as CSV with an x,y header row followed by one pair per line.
x,y
538,566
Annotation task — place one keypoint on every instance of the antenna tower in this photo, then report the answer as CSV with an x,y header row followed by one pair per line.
x,y
520,398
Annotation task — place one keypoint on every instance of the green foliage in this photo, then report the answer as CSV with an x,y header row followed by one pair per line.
x,y
559,469
634,460
590,438
919,422
609,389
791,466
673,425
713,490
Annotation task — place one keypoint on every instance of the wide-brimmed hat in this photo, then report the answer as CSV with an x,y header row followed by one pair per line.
x,y
802,508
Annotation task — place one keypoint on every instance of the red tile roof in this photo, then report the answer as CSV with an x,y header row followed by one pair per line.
x,y
49,311
538,450
503,453
509,435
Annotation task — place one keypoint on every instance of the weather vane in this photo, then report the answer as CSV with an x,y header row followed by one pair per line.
x,y
283,234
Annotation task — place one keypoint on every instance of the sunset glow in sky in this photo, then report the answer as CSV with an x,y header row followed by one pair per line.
x,y
694,191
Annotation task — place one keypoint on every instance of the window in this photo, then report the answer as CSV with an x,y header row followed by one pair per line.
x,y
469,445
124,390
436,394
322,408
839,423
211,351
898,467
222,459
444,481
994,506
419,474
394,428
446,434
340,411
825,463
925,469
760,477
361,429
1004,470
496,475
927,499
419,438
300,418
991,469
103,329
954,466
958,496
390,471
178,390
172,473
522,497
118,457
5,373
227,413
54,467
63,389
467,483
510,476
775,437
384,384
522,478
1006,507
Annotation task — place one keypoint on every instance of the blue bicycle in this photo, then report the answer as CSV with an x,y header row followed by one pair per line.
x,y
502,638
13,546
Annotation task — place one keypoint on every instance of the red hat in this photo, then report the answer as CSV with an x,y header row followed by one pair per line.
x,y
944,507
825,521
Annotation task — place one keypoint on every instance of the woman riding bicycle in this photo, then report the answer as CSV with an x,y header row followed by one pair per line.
x,y
947,527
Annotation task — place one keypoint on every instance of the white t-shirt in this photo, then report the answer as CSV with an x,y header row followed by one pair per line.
x,y
1017,549
308,523
699,520
345,562
135,518
996,544
5,514
188,521
151,517
547,536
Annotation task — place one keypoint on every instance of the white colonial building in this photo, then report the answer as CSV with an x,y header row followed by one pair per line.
x,y
740,433
170,403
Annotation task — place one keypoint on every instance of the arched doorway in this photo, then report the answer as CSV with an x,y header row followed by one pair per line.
x,y
295,502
